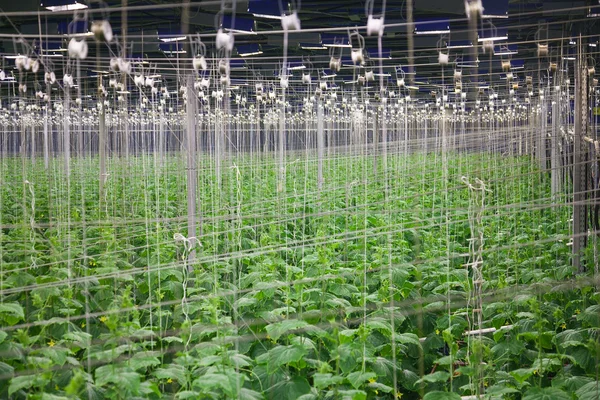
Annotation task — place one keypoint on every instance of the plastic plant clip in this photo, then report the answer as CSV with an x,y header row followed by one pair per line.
x,y
356,52
374,24
102,31
306,78
473,8
506,65
78,48
542,50
290,22
369,76
199,51
224,41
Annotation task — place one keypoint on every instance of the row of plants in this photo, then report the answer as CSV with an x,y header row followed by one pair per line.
x,y
364,289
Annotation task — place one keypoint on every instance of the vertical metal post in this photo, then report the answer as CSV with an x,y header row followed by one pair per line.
x,y
555,153
320,144
67,132
191,160
579,170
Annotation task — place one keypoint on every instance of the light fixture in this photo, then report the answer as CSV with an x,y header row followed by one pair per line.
x,y
338,40
328,74
310,46
506,50
62,5
268,9
495,9
249,50
432,27
459,44
238,25
295,66
492,35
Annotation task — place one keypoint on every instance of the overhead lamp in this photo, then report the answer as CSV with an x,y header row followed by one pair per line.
x,y
169,35
249,50
171,48
310,46
432,27
62,5
517,64
506,50
459,44
386,54
238,25
268,9
495,9
338,40
594,12
493,35
327,73
295,66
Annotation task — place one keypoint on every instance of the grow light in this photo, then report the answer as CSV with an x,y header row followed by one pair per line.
x,y
439,27
268,9
62,5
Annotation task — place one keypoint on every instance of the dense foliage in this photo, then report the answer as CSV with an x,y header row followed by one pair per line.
x,y
359,291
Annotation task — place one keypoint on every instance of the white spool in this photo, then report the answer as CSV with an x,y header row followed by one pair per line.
x,y
505,65
199,63
138,80
224,40
20,62
68,80
78,49
114,64
542,50
457,74
290,22
374,26
443,58
102,31
284,83
149,82
205,83
52,77
323,86
35,66
46,98
124,65
223,67
78,101
357,56
225,80
361,80
306,79
334,64
154,90
400,82
370,76
2,75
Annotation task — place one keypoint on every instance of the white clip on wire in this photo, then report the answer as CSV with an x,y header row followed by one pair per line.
x,y
306,79
290,22
102,31
224,40
68,80
78,49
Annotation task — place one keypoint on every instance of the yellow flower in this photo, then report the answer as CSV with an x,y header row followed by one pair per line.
x,y
169,380
103,318
376,391
564,326
83,324
437,331
372,380
51,343
398,395
268,337
535,372
56,387
577,312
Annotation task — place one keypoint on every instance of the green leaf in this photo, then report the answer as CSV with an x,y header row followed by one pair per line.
x,y
321,381
49,396
590,391
13,309
173,371
437,395
3,336
20,382
438,376
352,395
144,360
278,329
289,389
282,355
548,393
522,374
248,394
408,338
357,378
